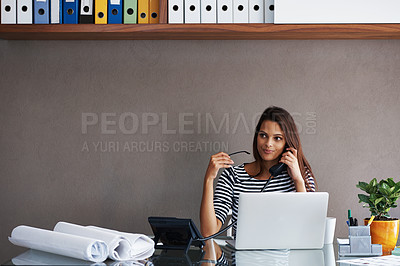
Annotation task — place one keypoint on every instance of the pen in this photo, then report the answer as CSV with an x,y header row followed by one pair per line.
x,y
370,220
350,218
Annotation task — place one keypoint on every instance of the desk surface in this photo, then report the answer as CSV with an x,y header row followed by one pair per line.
x,y
216,252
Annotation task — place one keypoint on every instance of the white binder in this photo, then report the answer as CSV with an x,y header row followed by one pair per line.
x,y
192,11
24,12
256,11
175,11
225,11
269,11
54,11
208,12
338,11
240,11
8,11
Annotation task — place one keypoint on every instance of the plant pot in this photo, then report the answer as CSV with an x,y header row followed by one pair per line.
x,y
384,233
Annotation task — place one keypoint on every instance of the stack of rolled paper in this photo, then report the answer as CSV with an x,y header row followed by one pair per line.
x,y
84,242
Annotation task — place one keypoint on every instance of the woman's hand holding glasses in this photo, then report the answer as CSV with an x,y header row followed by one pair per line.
x,y
218,161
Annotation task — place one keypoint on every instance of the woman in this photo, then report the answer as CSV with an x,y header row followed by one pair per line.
x,y
276,140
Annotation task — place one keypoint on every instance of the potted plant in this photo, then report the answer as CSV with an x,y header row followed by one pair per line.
x,y
381,197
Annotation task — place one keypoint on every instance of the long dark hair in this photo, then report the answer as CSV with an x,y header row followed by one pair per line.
x,y
288,126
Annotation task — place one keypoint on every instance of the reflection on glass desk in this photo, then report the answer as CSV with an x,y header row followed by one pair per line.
x,y
216,252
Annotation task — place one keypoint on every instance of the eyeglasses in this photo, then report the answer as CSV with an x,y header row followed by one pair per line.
x,y
237,152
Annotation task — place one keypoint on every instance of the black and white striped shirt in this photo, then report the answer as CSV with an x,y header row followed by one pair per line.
x,y
235,180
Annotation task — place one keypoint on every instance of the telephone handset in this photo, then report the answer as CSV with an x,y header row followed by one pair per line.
x,y
278,168
275,170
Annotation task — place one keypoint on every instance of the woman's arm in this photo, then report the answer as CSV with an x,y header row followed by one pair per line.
x,y
209,224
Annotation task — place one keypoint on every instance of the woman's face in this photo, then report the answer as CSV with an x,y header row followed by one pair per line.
x,y
270,141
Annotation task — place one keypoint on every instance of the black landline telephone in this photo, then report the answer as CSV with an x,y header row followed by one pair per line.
x,y
178,233
175,233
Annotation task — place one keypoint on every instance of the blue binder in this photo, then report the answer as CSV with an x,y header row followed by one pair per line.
x,y
70,11
114,11
41,10
61,12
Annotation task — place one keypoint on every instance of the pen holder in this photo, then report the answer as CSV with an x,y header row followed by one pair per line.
x,y
360,243
360,239
359,231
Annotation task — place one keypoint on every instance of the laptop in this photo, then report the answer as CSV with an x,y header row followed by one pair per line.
x,y
281,221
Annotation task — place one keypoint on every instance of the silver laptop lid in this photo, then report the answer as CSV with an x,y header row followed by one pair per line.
x,y
281,220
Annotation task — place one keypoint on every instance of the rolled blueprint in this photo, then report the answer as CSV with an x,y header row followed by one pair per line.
x,y
142,246
119,247
59,243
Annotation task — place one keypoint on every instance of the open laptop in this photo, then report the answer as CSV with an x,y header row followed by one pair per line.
x,y
281,221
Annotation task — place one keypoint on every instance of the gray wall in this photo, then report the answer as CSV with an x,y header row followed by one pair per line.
x,y
344,96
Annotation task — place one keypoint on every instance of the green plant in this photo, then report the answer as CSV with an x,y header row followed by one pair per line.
x,y
381,196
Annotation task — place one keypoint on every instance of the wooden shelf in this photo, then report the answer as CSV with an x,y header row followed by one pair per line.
x,y
199,32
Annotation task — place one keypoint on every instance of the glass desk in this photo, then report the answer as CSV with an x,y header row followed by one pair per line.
x,y
216,252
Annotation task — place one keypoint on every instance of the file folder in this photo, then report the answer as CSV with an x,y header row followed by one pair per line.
x,y
241,11
61,11
87,12
208,13
54,11
154,11
8,11
130,11
24,12
143,11
115,12
192,11
70,11
163,13
175,11
100,7
41,12
225,11
256,11
269,11
338,11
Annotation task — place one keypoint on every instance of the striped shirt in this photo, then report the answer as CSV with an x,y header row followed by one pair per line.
x,y
235,180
